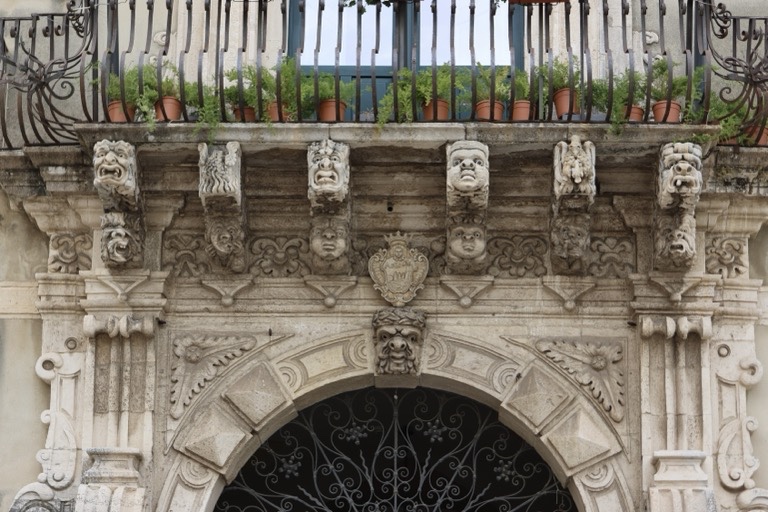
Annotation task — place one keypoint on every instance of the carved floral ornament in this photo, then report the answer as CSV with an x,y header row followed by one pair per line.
x,y
398,271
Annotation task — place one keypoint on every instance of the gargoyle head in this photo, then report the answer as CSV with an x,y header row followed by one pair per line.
x,y
328,170
114,166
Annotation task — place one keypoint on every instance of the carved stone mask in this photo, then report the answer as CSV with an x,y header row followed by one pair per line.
x,y
398,336
570,236
114,165
328,169
225,236
119,242
328,238
467,241
467,167
680,178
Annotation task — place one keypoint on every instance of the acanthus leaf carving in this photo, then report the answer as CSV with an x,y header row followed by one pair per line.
x,y
398,272
594,365
612,257
68,253
727,257
199,360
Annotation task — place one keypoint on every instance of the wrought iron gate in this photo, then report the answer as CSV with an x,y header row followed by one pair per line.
x,y
382,450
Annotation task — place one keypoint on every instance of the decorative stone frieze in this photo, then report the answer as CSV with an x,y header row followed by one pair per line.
x,y
398,271
115,174
69,253
184,254
678,188
280,257
467,178
517,256
328,175
612,257
727,257
575,169
398,336
329,244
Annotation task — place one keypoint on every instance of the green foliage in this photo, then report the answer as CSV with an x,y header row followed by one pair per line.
x,y
600,88
660,85
501,79
404,100
250,97
442,81
560,74
130,77
522,85
208,106
621,98
326,89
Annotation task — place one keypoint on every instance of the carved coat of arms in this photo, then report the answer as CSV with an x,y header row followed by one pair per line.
x,y
399,271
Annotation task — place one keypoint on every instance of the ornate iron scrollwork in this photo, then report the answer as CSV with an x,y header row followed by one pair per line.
x,y
380,450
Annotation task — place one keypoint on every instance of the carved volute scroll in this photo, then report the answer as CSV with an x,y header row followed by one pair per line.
x,y
398,337
574,192
328,175
467,186
678,189
221,194
398,271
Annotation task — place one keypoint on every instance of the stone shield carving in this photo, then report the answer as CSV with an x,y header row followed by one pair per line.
x,y
398,271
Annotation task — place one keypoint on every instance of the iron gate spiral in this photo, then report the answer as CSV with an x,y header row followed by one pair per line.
x,y
382,450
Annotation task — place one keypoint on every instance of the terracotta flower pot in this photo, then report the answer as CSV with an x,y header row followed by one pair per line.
x,y
442,111
483,110
116,114
660,107
326,111
753,131
521,110
562,98
248,114
172,107
636,114
273,114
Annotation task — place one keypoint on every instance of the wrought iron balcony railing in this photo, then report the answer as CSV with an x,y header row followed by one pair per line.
x,y
384,58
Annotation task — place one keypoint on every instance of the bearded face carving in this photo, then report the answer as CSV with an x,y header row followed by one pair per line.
x,y
225,242
120,241
680,177
467,176
114,166
398,336
328,172
675,241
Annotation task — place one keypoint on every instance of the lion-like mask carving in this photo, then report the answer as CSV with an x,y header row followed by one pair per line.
x,y
398,336
676,243
328,171
467,175
114,166
120,245
570,236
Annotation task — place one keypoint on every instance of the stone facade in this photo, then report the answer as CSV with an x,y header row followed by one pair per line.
x,y
252,294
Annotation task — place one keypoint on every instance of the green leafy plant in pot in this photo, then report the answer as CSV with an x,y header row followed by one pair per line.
x,y
114,91
666,89
242,101
521,108
324,98
502,88
163,95
564,98
435,95
404,100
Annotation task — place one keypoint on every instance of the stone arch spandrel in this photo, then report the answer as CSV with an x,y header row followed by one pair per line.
x,y
246,406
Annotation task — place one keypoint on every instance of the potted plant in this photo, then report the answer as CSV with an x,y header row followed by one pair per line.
x,y
502,89
403,83
664,91
243,107
626,109
288,72
521,108
437,108
207,104
565,99
327,105
117,111
163,96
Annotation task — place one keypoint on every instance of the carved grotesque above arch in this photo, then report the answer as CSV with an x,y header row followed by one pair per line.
x,y
121,240
328,175
398,336
678,188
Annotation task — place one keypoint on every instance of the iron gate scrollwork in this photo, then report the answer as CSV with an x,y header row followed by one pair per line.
x,y
380,450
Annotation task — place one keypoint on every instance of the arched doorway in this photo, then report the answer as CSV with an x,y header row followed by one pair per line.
x,y
381,450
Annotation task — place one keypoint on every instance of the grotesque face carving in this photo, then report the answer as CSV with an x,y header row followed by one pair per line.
x,y
467,241
398,336
575,168
680,179
570,236
328,170
328,238
114,165
467,168
120,240
225,238
676,243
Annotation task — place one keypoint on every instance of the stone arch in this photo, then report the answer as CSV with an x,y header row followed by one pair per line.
x,y
549,410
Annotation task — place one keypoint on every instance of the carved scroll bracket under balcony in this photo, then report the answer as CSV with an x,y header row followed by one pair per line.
x,y
328,177
678,189
220,191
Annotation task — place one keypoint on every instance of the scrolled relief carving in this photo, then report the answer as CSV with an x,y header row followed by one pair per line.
x,y
612,257
225,241
574,165
68,253
570,237
329,244
328,174
114,167
184,254
517,256
121,240
594,365
280,257
398,272
467,178
219,173
465,245
727,257
198,360
398,336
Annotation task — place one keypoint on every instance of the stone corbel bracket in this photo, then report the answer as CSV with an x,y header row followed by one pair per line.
x,y
680,326
678,189
574,192
398,335
115,171
328,177
220,191
123,326
467,187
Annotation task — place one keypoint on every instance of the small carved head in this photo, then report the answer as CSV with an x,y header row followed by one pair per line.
x,y
570,236
467,241
328,170
114,166
467,167
328,238
120,242
225,236
676,244
398,336
680,179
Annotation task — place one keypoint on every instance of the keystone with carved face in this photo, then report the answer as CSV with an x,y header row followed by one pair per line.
x,y
398,336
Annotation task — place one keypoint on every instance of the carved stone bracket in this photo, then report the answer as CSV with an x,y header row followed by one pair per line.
x,y
331,288
123,326
569,290
467,288
679,476
678,189
680,326
398,336
328,163
574,165
220,191
398,272
467,186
